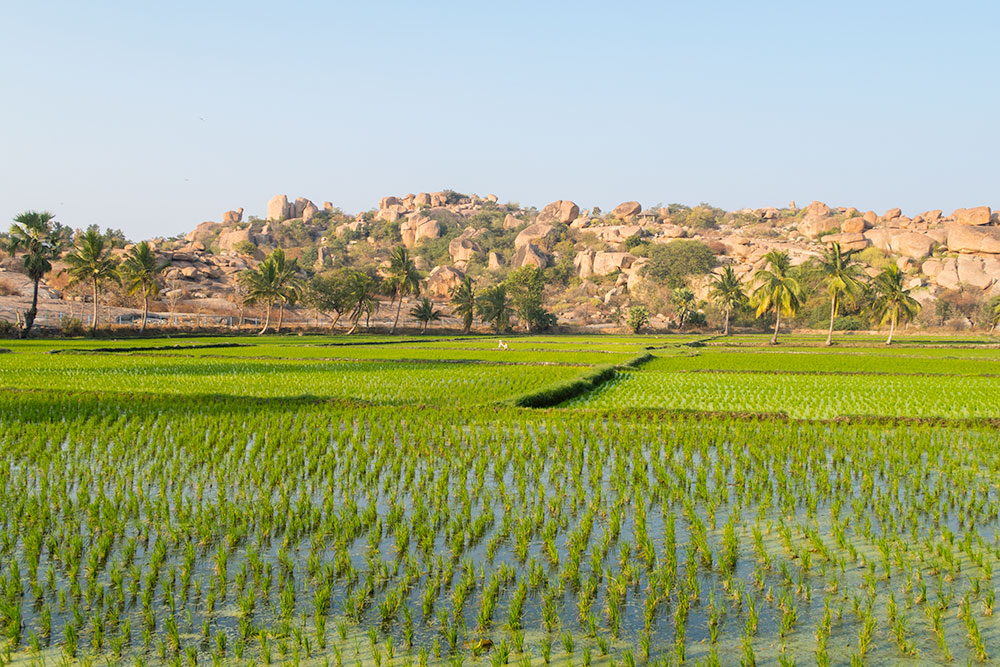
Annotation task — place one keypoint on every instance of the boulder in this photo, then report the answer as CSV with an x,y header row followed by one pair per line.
x,y
670,231
441,280
853,226
818,220
963,238
769,213
870,218
892,214
462,248
229,239
201,233
980,215
278,208
492,198
421,200
386,202
847,241
911,244
616,233
947,277
439,198
494,261
559,212
534,234
931,216
971,273
309,212
932,267
529,255
510,222
233,217
417,227
584,264
327,206
626,210
609,262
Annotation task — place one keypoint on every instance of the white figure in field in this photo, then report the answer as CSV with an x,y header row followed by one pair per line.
x,y
502,345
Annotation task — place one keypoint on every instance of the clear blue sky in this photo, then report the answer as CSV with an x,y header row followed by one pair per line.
x,y
152,117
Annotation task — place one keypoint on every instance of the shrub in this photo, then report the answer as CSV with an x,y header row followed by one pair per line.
x,y
72,327
672,263
849,323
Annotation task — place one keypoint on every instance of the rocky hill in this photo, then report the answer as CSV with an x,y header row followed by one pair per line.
x,y
594,260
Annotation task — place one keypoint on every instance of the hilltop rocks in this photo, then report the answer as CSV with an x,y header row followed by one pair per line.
x,y
417,227
963,238
608,262
847,241
817,220
309,212
233,217
616,233
909,244
442,280
229,239
535,233
202,232
626,210
278,208
971,272
559,212
584,264
529,255
853,226
386,202
980,215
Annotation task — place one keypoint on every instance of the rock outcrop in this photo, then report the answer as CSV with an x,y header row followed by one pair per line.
x,y
278,208
559,212
980,215
441,281
417,227
534,234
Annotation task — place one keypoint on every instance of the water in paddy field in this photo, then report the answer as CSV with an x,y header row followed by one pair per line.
x,y
166,538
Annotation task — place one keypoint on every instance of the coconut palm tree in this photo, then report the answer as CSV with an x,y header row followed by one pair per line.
x,y
892,302
263,285
684,303
425,313
404,279
727,292
141,272
92,262
363,290
777,290
42,241
843,278
493,306
290,285
463,298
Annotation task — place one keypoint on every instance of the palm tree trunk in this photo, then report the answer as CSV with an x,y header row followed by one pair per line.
x,y
29,317
281,314
145,310
725,328
93,325
354,327
333,325
777,325
399,307
833,312
267,319
892,328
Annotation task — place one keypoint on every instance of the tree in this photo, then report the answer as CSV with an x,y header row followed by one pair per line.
x,y
463,298
263,285
727,292
363,297
670,264
994,317
290,287
404,279
91,262
493,307
42,241
524,287
684,304
425,313
637,318
330,293
777,290
892,302
141,271
843,278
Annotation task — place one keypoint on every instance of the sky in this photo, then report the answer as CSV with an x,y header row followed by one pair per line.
x,y
153,117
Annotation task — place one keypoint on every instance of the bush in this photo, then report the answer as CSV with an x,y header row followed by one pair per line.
x,y
72,327
672,263
7,329
874,258
849,323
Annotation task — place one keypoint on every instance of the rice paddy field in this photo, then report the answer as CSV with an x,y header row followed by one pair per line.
x,y
668,500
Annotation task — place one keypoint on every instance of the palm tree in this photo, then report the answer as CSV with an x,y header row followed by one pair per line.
x,y
404,279
727,292
892,302
42,241
263,285
425,313
290,286
684,302
363,292
141,271
91,261
493,306
843,278
777,290
463,298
